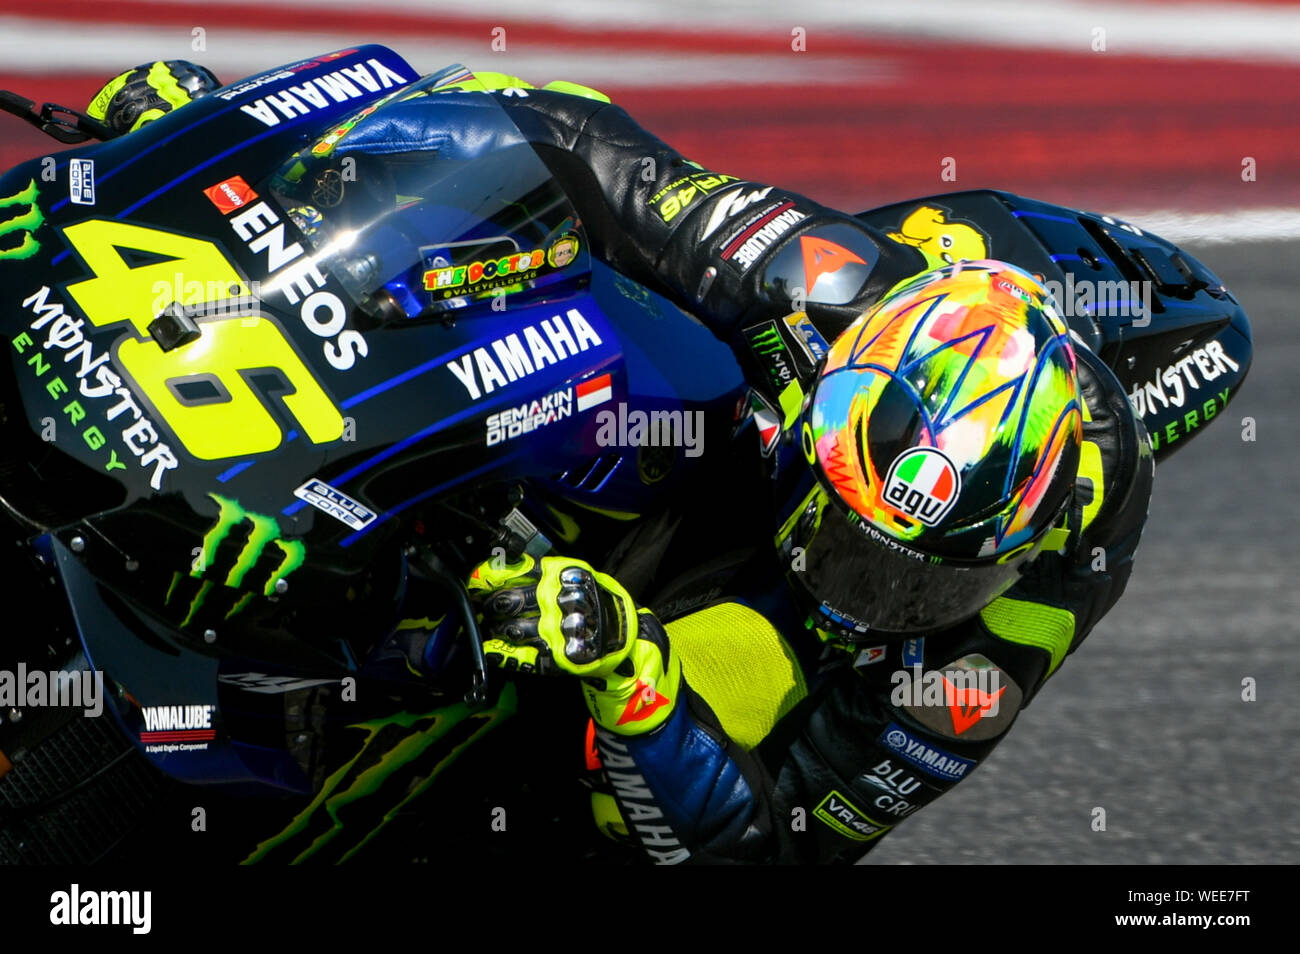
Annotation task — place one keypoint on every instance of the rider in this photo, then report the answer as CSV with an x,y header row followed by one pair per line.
x,y
973,493
960,493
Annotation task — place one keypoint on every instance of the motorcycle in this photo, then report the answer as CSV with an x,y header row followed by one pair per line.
x,y
264,410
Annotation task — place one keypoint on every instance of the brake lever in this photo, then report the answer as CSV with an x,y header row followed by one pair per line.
x,y
65,125
83,127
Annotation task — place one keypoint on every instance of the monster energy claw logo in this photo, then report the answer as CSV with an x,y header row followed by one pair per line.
x,y
25,222
767,341
401,757
264,530
770,348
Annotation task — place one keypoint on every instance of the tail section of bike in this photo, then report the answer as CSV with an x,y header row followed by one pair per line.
x,y
1174,335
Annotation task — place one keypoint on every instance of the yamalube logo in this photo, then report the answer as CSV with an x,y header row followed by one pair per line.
x,y
177,728
923,483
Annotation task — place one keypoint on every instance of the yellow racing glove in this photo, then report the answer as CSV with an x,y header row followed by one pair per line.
x,y
139,96
559,616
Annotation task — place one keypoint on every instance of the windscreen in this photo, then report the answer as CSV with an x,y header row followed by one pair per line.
x,y
431,200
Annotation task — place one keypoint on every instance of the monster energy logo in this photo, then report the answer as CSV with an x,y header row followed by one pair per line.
x,y
767,341
769,346
27,223
264,530
400,758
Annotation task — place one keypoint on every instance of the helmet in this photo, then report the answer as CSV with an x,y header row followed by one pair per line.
x,y
943,437
143,94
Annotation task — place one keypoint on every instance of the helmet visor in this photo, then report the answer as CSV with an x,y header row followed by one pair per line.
x,y
863,581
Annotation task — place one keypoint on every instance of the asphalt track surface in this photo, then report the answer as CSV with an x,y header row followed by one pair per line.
x,y
1146,719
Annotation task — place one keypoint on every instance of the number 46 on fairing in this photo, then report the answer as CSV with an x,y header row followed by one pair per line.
x,y
234,422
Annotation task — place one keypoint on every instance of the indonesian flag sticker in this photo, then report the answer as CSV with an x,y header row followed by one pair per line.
x,y
596,391
923,483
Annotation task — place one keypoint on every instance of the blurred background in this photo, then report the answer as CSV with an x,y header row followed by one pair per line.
x,y
1116,107
1178,116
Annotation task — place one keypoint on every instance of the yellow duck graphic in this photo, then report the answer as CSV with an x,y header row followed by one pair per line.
x,y
940,241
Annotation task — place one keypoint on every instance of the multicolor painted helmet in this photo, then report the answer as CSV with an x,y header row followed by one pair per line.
x,y
944,436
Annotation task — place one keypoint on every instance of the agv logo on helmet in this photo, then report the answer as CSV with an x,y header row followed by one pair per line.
x,y
923,483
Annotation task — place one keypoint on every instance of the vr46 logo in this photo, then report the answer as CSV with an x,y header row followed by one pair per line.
x,y
25,221
842,815
263,531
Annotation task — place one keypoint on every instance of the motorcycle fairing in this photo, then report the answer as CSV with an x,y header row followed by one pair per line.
x,y
225,546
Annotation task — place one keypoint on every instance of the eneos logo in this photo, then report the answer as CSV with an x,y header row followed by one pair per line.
x,y
923,483
230,194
